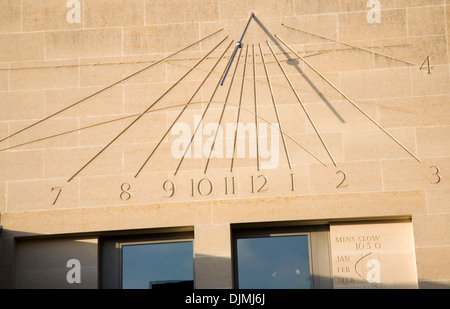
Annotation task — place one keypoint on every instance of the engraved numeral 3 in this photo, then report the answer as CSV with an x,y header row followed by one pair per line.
x,y
438,177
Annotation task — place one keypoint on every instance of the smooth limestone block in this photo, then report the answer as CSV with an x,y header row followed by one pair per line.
x,y
47,15
22,46
10,16
83,43
116,13
373,255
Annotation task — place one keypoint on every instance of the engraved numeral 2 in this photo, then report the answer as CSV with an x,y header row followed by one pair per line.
x,y
343,183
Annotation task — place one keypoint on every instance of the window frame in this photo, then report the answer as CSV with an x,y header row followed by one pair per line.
x,y
111,254
318,246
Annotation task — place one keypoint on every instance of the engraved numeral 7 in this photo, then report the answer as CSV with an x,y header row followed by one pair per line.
x,y
57,196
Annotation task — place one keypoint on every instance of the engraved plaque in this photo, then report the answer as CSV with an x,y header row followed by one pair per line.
x,y
379,255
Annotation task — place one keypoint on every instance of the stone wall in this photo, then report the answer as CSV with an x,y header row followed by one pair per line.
x,y
72,66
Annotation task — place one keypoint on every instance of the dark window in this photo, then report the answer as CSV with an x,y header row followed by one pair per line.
x,y
274,263
159,259
288,257
157,265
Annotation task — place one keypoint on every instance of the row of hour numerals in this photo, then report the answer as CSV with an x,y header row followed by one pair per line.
x,y
205,187
259,184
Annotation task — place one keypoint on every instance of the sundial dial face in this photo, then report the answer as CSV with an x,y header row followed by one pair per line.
x,y
255,108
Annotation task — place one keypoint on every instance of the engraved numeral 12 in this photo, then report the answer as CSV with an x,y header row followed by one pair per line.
x,y
263,187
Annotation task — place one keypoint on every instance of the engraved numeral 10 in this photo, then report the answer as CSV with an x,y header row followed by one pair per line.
x,y
204,187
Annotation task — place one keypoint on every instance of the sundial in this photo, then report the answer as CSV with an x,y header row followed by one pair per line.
x,y
246,105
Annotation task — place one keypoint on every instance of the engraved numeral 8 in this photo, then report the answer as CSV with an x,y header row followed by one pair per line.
x,y
125,195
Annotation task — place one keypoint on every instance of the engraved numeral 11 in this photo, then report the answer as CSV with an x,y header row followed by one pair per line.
x,y
232,189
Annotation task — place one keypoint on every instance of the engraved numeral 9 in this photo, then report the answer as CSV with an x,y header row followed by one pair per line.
x,y
169,186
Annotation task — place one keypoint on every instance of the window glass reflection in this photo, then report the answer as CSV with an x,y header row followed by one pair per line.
x,y
273,263
158,266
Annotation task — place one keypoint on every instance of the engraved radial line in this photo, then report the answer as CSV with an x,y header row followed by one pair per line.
x,y
89,127
351,102
288,136
275,106
223,111
256,108
108,87
148,109
302,105
239,110
203,115
238,46
351,45
357,262
183,110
